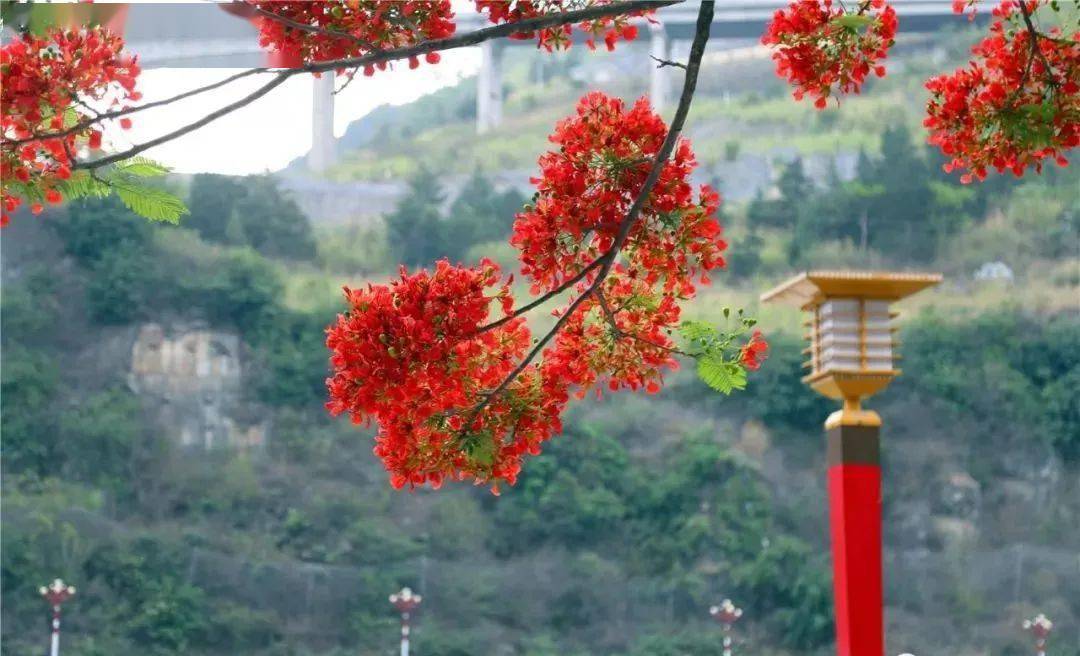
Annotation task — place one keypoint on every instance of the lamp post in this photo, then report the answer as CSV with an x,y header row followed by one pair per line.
x,y
405,602
852,357
56,593
1039,627
726,614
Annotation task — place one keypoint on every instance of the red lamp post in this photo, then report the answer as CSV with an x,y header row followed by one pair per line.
x,y
726,614
405,602
849,322
1039,627
56,593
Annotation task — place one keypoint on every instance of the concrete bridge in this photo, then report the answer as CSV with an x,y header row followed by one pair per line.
x,y
200,35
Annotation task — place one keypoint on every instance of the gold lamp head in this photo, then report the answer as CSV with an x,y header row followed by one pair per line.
x,y
852,339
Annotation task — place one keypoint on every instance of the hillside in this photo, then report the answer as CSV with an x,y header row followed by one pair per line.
x,y
166,448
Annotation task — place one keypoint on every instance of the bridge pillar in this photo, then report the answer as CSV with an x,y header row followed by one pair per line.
x,y
659,81
489,89
322,155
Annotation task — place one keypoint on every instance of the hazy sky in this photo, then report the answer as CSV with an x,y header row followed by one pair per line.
x,y
275,129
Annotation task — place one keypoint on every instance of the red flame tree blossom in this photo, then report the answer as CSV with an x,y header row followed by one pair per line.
x,y
609,29
1016,104
50,85
329,30
422,359
326,31
823,50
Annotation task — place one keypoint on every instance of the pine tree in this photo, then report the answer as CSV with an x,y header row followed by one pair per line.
x,y
416,227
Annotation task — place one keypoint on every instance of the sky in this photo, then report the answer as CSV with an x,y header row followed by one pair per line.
x,y
269,133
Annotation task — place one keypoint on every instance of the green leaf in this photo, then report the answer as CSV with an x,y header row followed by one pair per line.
x,y
150,202
721,375
853,21
697,331
81,184
142,167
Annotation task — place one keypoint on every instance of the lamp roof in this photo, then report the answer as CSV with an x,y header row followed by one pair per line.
x,y
812,287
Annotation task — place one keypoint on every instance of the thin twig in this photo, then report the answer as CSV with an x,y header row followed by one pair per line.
x,y
581,275
697,51
277,81
661,63
1033,35
312,29
459,41
103,116
619,332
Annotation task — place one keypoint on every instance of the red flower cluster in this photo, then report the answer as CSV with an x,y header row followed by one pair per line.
x,y
625,342
1014,105
825,51
610,29
350,28
754,352
49,81
422,359
412,356
587,186
585,190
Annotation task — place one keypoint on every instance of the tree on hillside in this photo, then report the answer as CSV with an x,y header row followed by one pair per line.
x,y
479,214
901,211
250,211
270,221
794,188
211,200
415,227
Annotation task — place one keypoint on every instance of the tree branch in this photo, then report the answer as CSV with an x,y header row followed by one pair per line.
x,y
697,51
581,275
1036,49
311,29
450,43
661,63
117,113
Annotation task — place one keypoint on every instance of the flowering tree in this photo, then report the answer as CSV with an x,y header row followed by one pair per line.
x,y
443,361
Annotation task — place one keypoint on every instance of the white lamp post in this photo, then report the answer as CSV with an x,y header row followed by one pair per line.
x,y
726,614
405,602
56,593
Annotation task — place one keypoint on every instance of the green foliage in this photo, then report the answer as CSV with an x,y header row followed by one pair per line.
x,y
126,180
706,642
415,227
151,604
212,199
724,376
29,388
237,291
121,285
781,578
93,228
29,309
480,214
271,222
569,494
716,367
251,211
1006,369
100,435
291,357
794,188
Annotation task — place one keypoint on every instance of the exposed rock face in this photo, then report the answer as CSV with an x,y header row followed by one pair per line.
x,y
190,377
